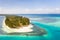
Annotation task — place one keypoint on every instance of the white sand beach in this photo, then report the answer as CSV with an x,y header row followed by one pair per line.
x,y
21,29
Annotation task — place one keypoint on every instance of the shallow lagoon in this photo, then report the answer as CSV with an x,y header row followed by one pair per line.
x,y
53,33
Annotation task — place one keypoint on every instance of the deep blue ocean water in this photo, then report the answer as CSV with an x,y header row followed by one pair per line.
x,y
53,33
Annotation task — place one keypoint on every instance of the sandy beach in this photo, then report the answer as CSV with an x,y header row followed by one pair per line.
x,y
21,29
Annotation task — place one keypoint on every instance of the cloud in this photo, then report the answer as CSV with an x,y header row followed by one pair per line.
x,y
26,10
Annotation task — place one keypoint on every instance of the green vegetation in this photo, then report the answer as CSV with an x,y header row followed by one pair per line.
x,y
16,21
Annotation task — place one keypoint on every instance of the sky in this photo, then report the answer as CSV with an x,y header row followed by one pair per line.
x,y
29,6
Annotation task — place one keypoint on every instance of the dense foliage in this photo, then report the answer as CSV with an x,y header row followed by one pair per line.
x,y
16,21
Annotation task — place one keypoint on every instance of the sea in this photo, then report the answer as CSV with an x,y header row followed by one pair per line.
x,y
49,22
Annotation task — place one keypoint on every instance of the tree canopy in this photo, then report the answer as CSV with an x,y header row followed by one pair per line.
x,y
16,21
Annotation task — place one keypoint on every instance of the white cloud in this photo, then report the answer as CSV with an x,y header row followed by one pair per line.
x,y
21,10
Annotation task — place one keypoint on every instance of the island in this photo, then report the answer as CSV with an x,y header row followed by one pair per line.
x,y
16,21
19,25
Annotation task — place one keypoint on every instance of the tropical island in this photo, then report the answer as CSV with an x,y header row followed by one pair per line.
x,y
20,25
16,21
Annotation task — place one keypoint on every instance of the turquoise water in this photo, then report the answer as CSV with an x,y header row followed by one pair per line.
x,y
53,33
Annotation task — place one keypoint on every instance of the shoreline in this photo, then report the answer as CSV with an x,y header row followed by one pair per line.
x,y
21,29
